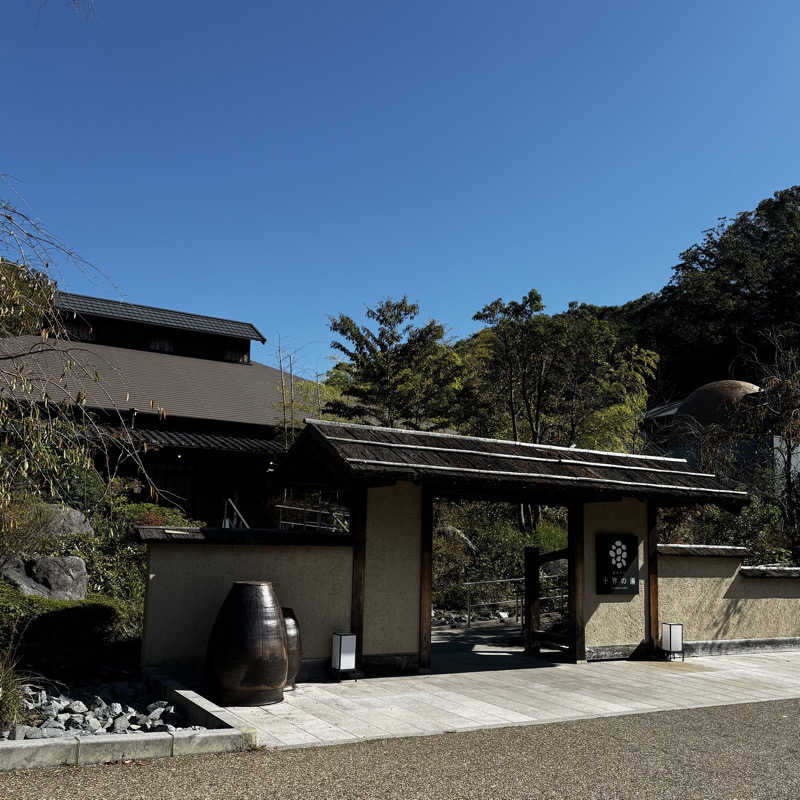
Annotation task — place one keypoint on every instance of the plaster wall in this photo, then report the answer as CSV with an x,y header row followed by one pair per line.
x,y
188,582
713,601
392,570
614,619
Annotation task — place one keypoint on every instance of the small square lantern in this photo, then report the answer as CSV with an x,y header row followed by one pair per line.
x,y
343,653
672,639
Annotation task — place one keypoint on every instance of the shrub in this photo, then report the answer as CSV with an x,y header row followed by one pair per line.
x,y
11,696
31,619
55,637
116,562
24,528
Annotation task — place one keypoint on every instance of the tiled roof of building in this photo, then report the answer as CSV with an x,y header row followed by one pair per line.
x,y
184,440
195,388
457,464
131,312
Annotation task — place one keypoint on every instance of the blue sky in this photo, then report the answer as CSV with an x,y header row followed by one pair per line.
x,y
280,162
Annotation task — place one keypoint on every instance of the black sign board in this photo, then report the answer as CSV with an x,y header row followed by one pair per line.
x,y
617,557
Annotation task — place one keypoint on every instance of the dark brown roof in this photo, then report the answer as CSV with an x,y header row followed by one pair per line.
x,y
184,387
361,453
149,315
184,440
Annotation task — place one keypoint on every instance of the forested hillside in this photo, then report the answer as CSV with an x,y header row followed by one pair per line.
x,y
727,293
585,377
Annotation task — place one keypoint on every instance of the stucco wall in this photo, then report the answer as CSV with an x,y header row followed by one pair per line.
x,y
614,619
392,570
188,582
713,601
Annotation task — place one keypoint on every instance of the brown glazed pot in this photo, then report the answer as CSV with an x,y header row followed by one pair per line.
x,y
294,646
247,660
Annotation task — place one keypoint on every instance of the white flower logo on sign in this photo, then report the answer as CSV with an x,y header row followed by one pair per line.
x,y
619,554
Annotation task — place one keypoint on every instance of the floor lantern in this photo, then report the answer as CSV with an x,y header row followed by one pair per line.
x,y
672,639
343,653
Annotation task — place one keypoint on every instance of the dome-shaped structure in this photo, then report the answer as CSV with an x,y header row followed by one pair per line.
x,y
711,404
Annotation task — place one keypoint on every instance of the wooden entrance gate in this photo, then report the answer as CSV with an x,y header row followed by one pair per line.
x,y
542,593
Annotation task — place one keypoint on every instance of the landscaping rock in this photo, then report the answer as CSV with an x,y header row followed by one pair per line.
x,y
65,521
70,716
48,733
18,733
121,723
61,578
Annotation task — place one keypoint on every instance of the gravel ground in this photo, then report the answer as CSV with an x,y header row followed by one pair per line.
x,y
731,752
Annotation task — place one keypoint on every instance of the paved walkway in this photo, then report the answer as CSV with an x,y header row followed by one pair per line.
x,y
497,687
746,751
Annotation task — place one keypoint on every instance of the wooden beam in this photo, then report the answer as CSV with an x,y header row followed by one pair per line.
x,y
577,581
652,577
358,532
530,611
426,580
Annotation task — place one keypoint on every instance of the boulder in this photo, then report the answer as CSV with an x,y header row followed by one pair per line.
x,y
60,578
121,723
64,521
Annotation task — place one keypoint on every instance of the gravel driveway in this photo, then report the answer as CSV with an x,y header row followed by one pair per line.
x,y
730,752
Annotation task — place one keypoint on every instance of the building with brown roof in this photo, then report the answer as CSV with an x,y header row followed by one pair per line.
x,y
204,416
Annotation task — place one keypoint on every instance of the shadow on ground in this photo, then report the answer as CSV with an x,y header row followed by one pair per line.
x,y
485,646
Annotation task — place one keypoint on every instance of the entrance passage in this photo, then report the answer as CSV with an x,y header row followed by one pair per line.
x,y
547,602
486,646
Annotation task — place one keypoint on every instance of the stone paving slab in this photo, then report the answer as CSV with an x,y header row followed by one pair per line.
x,y
376,708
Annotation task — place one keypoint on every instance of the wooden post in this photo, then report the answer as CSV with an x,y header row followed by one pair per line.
x,y
652,578
575,545
358,530
426,581
530,609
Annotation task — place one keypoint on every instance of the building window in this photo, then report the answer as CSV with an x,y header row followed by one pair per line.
x,y
161,344
80,331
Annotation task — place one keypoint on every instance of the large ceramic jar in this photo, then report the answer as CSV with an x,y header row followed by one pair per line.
x,y
247,655
294,646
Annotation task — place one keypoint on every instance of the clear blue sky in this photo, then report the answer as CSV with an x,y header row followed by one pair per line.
x,y
280,162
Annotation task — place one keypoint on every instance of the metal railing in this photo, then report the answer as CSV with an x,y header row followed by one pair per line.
x,y
515,597
336,520
234,519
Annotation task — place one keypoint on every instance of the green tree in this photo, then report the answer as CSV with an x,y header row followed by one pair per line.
x,y
394,373
741,279
562,379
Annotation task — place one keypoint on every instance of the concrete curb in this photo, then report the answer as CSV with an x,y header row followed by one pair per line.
x,y
72,750
228,733
199,710
39,753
